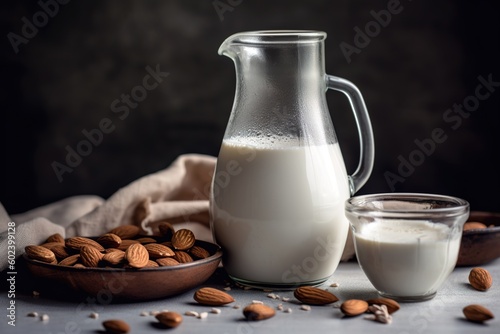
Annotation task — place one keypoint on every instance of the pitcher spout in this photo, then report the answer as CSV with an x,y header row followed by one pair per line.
x,y
225,47
230,46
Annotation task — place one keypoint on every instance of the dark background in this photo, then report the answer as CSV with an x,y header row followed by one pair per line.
x,y
64,79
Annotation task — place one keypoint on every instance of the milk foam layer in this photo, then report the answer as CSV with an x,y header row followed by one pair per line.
x,y
406,258
277,210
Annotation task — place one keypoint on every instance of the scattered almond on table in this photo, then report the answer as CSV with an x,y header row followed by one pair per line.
x,y
477,313
391,304
480,279
256,312
212,297
169,319
116,326
354,307
314,296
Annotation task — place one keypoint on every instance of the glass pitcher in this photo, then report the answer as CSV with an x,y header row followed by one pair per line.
x,y
279,187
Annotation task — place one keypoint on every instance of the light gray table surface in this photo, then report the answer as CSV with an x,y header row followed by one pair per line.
x,y
443,314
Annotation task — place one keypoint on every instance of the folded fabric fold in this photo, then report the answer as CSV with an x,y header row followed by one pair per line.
x,y
173,193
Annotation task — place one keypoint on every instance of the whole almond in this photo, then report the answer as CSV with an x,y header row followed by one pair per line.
x,y
137,255
213,297
77,243
167,262
391,304
116,326
151,264
126,231
168,244
183,257
258,312
56,237
353,307
110,250
199,252
90,256
126,243
70,260
40,253
115,257
109,240
60,251
183,239
314,296
157,251
169,319
50,245
145,240
477,313
480,279
473,226
166,230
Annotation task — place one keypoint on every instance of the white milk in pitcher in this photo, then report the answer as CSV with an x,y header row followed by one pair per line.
x,y
277,210
407,258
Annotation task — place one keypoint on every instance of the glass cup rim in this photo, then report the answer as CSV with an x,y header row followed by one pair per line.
x,y
455,206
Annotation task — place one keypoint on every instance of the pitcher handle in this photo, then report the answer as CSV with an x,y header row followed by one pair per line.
x,y
366,142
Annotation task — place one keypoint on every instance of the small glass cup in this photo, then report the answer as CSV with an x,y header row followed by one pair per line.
x,y
407,244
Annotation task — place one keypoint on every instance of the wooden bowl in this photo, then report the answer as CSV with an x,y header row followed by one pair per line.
x,y
480,246
119,284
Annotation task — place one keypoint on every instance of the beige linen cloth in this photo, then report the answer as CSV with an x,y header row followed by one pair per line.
x,y
177,194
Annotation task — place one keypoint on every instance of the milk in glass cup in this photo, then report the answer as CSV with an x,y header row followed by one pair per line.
x,y
407,244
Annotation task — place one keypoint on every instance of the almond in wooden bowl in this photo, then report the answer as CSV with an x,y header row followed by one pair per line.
x,y
480,242
117,281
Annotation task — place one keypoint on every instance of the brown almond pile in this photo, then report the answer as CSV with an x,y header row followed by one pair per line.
x,y
121,247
